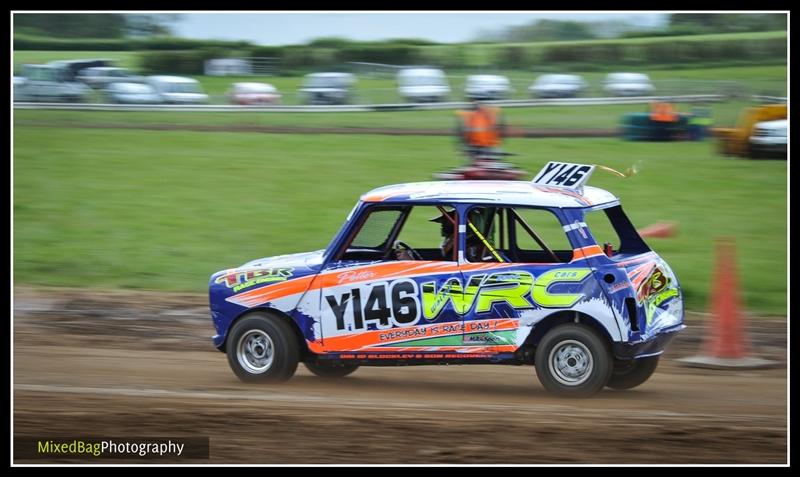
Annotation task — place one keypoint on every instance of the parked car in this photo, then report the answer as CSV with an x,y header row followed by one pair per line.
x,y
46,83
71,68
422,85
327,88
736,140
628,84
520,279
253,93
101,76
132,93
770,139
178,90
487,87
557,86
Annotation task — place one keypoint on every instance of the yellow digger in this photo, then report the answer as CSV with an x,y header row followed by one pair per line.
x,y
736,141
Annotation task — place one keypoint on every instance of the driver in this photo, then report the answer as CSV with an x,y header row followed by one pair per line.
x,y
447,233
474,246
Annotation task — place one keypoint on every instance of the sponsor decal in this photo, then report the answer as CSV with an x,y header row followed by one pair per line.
x,y
656,282
655,291
399,303
412,356
239,280
618,286
355,276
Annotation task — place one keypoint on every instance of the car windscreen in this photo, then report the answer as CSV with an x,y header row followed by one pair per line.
x,y
324,82
422,81
254,88
182,88
131,88
488,82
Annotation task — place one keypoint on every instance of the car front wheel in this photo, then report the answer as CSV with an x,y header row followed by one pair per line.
x,y
262,348
573,360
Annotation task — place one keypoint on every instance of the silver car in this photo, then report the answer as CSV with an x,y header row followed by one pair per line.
x,y
557,86
132,93
327,88
100,77
628,84
487,87
47,84
178,90
422,85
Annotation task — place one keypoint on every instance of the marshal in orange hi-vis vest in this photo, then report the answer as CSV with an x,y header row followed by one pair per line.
x,y
481,127
663,112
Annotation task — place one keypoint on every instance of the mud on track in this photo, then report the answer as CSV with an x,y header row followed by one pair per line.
x,y
141,364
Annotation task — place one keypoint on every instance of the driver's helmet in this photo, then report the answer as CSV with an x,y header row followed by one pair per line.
x,y
447,223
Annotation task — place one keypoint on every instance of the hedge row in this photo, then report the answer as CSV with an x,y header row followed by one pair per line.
x,y
187,56
680,51
26,42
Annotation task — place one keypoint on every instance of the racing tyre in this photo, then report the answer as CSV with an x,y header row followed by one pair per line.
x,y
330,370
573,360
262,348
631,374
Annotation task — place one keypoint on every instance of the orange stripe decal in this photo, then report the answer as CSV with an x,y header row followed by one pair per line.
x,y
358,274
586,252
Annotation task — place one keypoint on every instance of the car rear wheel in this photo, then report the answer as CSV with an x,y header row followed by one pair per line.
x,y
573,360
330,370
262,348
628,375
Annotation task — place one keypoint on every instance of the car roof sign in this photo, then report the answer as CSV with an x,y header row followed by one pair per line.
x,y
564,174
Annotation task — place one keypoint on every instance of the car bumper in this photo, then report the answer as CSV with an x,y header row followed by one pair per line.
x,y
653,346
767,149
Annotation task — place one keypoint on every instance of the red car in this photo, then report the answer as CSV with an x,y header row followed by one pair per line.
x,y
253,94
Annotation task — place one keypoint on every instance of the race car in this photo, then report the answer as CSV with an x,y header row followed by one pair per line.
x,y
549,273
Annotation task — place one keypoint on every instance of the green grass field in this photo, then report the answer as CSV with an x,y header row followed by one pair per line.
x,y
724,114
163,210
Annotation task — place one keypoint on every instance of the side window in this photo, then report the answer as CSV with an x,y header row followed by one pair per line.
x,y
601,229
486,236
540,237
376,229
611,226
423,229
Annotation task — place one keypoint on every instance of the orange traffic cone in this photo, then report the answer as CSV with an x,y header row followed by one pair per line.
x,y
726,344
660,230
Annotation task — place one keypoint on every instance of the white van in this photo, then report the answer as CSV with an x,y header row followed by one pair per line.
x,y
487,87
327,88
628,84
178,90
421,85
770,139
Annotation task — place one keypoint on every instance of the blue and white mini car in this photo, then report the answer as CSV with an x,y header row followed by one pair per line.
x,y
548,273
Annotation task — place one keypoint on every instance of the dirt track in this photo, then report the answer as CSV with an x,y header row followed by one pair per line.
x,y
141,364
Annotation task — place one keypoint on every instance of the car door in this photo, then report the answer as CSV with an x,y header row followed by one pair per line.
x,y
374,305
523,273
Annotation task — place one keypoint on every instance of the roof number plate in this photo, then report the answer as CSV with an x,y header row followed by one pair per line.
x,y
564,174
